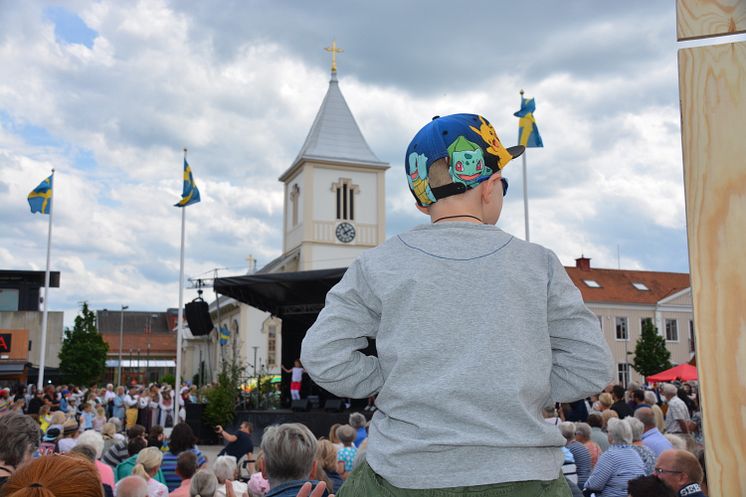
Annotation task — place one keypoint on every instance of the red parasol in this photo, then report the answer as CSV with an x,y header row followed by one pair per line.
x,y
683,372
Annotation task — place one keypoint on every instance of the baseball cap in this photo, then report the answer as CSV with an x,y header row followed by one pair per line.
x,y
473,149
51,434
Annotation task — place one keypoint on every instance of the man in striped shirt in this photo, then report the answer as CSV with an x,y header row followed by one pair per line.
x,y
579,451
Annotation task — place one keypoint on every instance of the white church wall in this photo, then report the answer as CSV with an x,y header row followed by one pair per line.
x,y
294,232
317,256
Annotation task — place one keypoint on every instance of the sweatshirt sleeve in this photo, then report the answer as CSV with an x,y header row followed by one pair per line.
x,y
581,360
331,351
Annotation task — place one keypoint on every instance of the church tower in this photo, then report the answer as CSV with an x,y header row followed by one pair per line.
x,y
334,191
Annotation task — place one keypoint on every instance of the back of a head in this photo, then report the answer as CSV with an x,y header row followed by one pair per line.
x,y
635,426
132,486
650,398
567,429
618,392
583,430
225,468
55,476
19,438
357,420
149,459
85,451
186,464
639,396
646,416
289,451
619,432
135,445
135,431
326,454
94,439
346,434
649,486
204,484
687,463
606,399
182,438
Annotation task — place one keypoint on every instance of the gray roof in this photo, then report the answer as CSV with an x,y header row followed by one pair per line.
x,y
334,135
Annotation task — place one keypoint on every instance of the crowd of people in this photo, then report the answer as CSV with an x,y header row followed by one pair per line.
x,y
637,442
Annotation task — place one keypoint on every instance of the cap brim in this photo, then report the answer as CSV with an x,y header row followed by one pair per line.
x,y
516,151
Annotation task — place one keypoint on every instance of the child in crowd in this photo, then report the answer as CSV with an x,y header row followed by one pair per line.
x,y
100,420
458,298
346,455
44,418
87,416
296,378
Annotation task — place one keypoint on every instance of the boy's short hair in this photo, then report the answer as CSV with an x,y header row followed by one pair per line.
x,y
346,434
473,150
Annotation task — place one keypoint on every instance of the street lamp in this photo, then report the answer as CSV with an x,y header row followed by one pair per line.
x,y
121,329
148,332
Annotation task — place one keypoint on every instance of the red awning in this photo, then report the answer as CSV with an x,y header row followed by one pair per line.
x,y
683,372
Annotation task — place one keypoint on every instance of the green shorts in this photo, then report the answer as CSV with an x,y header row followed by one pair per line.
x,y
364,482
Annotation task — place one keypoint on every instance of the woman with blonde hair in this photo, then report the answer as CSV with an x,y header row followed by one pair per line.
x,y
333,438
607,415
55,476
146,466
326,459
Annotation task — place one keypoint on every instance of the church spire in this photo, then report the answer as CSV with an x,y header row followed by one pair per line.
x,y
334,50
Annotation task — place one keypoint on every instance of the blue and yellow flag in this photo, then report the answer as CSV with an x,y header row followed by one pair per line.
x,y
190,194
528,133
225,335
40,198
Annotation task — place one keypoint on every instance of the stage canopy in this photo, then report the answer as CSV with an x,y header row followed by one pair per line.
x,y
683,372
282,294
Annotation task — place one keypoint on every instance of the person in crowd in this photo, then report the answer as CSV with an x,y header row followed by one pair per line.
x,y
118,405
108,433
94,440
580,453
166,405
607,415
575,411
119,451
5,401
649,486
346,455
676,441
551,415
88,453
182,438
681,471
700,453
144,413
651,437
186,466
289,458
51,398
583,435
48,443
258,484
88,415
108,397
357,421
333,438
35,403
619,464
19,439
326,458
100,419
57,421
55,476
605,401
126,467
44,418
132,486
226,471
147,465
70,432
130,401
677,415
156,437
638,397
204,483
296,378
569,470
646,455
652,400
239,444
596,422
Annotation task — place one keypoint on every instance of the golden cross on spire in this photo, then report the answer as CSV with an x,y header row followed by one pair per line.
x,y
334,50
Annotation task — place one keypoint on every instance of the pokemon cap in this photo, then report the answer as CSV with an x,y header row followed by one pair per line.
x,y
473,149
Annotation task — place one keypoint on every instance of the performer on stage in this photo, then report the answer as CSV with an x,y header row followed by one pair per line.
x,y
296,379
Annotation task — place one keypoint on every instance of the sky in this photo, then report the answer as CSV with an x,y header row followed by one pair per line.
x,y
109,93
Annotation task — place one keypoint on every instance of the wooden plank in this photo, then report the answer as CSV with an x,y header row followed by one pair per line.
x,y
706,18
712,85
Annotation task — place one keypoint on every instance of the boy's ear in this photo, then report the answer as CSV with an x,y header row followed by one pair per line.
x,y
425,210
488,186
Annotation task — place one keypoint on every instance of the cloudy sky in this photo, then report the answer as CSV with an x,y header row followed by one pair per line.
x,y
108,93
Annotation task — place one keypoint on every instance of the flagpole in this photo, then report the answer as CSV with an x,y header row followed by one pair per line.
x,y
43,352
525,195
180,321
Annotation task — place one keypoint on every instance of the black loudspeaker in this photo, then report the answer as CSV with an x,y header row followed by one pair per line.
x,y
303,405
198,317
333,405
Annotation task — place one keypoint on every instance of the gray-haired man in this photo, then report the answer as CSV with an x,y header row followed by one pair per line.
x,y
289,458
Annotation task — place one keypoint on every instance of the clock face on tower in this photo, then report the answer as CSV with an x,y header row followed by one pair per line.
x,y
345,232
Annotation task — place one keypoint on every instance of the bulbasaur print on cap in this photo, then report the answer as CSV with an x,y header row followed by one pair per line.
x,y
473,150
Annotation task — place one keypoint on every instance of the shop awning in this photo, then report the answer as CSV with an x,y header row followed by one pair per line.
x,y
142,363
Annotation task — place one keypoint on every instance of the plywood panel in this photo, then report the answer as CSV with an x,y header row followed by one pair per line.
x,y
712,83
705,18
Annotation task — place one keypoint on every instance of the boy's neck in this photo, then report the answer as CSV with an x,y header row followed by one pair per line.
x,y
468,218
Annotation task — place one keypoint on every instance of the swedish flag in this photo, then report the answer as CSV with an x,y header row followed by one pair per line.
x,y
190,194
40,198
225,335
528,133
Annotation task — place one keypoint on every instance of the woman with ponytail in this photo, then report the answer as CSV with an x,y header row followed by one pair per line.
x,y
147,465
55,476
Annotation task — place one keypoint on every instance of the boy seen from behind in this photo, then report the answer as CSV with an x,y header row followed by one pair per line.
x,y
476,332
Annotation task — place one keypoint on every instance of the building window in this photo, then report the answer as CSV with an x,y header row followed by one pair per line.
x,y
623,373
592,283
622,328
692,340
9,299
640,286
672,330
344,192
294,200
643,321
271,346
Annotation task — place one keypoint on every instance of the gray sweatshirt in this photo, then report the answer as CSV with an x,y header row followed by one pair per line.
x,y
476,331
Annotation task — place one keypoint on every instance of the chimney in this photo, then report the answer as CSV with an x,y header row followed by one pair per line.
x,y
251,262
583,263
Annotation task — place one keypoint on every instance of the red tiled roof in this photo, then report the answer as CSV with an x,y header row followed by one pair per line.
x,y
616,284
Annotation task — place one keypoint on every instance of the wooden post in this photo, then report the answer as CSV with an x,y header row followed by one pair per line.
x,y
712,85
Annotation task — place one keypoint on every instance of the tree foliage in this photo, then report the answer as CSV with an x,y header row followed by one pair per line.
x,y
83,354
222,397
651,354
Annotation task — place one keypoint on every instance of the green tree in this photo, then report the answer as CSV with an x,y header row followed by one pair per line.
x,y
83,354
651,354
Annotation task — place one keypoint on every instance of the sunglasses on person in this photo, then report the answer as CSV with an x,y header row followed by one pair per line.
x,y
660,471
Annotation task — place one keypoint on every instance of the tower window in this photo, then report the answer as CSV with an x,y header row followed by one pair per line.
x,y
345,195
294,194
